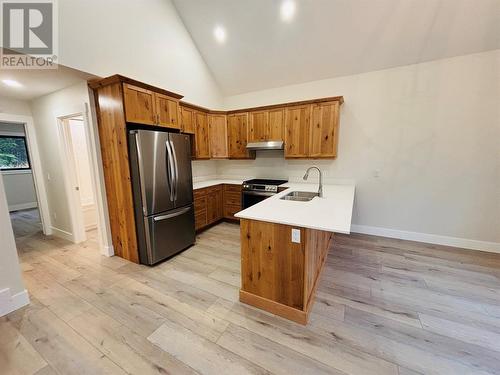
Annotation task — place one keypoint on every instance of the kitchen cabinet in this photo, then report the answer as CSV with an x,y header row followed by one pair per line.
x,y
167,111
215,210
218,136
277,274
201,136
232,201
237,136
187,120
324,130
266,125
214,203
258,130
297,131
276,124
139,105
144,106
200,209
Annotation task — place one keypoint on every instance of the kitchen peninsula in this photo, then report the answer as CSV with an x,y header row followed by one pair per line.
x,y
284,245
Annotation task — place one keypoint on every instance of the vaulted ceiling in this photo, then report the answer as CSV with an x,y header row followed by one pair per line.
x,y
330,38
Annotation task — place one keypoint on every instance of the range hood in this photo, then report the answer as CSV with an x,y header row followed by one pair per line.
x,y
265,145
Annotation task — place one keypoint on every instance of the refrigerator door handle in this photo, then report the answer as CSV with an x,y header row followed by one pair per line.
x,y
176,166
173,214
170,171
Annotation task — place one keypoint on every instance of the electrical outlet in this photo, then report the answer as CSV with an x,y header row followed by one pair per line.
x,y
296,235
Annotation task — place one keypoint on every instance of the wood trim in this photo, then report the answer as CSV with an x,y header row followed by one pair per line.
x,y
113,142
276,308
288,104
194,106
117,78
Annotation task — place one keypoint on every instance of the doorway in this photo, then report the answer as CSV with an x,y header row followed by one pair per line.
x,y
17,173
79,180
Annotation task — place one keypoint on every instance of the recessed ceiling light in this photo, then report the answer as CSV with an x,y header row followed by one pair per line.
x,y
220,34
287,10
11,83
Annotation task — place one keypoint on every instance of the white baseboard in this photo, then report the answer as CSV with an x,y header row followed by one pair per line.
x,y
22,206
62,234
9,303
108,251
493,247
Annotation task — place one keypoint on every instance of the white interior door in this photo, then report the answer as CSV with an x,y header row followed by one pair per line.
x,y
83,172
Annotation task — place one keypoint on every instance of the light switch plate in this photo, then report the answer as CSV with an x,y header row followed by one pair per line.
x,y
296,235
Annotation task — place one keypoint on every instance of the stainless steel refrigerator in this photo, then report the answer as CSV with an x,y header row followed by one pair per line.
x,y
162,185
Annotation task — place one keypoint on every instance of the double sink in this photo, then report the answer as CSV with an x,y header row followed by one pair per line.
x,y
299,196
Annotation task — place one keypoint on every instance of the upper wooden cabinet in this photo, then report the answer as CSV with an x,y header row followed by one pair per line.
x,y
144,106
187,120
266,125
167,111
324,130
201,135
139,105
259,126
276,124
218,136
237,136
297,131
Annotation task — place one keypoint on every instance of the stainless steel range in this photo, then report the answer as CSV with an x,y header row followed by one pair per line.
x,y
256,190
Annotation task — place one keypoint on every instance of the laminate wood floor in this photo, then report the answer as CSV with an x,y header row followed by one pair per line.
x,y
26,223
383,306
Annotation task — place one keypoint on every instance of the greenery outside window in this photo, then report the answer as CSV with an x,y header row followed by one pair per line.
x,y
13,153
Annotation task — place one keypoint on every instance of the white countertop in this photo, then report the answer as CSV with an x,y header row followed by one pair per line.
x,y
207,183
332,212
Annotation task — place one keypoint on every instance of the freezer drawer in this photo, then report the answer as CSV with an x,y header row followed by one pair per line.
x,y
169,233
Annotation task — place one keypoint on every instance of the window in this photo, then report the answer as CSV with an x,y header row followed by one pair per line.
x,y
13,153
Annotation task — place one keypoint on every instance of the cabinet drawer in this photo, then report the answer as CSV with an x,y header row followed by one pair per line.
x,y
230,210
232,198
200,219
199,193
213,189
232,188
200,204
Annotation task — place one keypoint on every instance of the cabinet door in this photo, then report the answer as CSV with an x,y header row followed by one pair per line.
x,y
200,209
167,111
139,105
259,126
201,136
297,130
276,124
324,130
218,136
187,120
214,204
237,135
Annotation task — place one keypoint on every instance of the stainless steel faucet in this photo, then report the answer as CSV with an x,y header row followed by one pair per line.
x,y
320,190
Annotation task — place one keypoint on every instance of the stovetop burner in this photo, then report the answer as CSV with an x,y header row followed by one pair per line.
x,y
264,181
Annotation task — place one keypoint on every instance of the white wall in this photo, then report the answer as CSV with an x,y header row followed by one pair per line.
x,y
14,107
430,130
19,190
46,110
19,185
145,40
12,291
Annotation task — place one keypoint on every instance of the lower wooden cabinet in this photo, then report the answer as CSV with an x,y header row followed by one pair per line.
x,y
215,209
214,203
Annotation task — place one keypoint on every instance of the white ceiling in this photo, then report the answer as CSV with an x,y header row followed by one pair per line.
x,y
330,38
36,83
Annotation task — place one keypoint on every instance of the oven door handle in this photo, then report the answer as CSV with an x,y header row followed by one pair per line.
x,y
259,193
